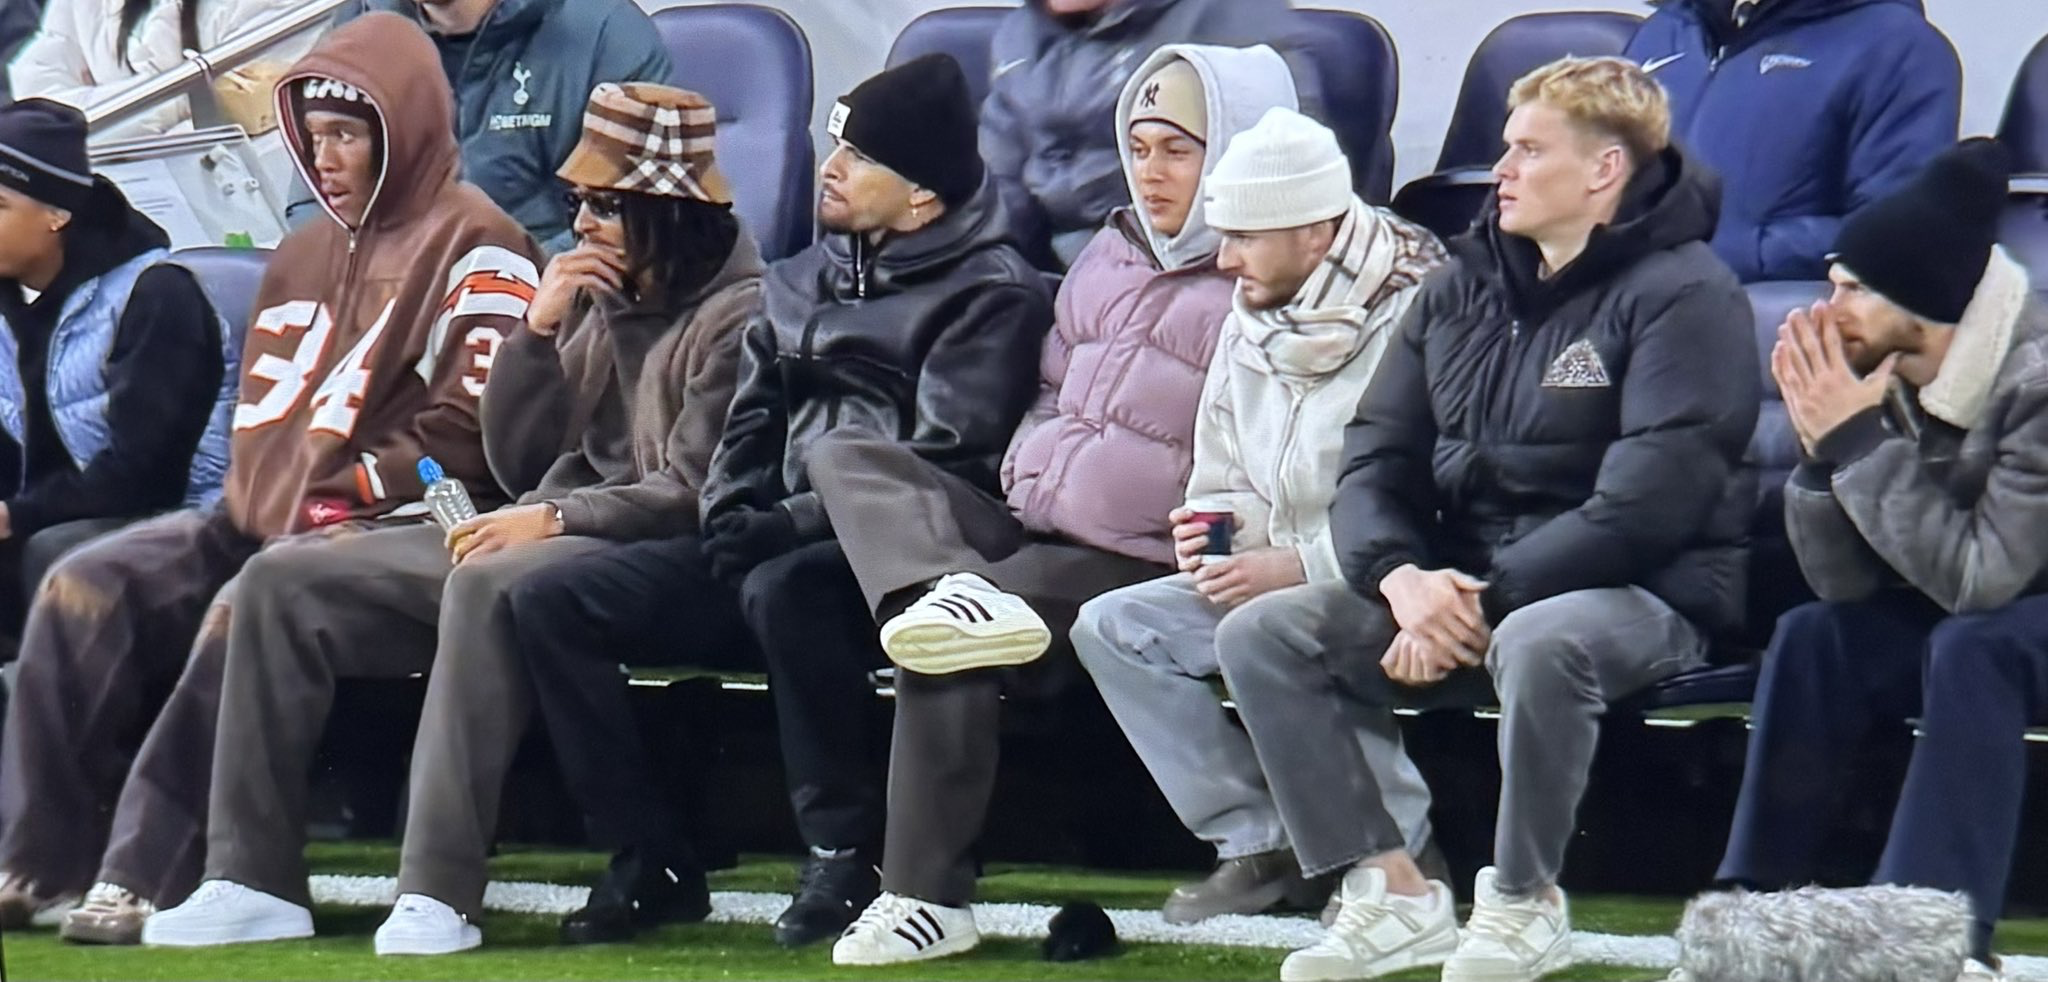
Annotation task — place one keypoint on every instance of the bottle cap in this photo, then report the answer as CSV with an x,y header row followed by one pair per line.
x,y
430,471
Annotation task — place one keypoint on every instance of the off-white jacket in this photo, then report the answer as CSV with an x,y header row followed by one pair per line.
x,y
1269,438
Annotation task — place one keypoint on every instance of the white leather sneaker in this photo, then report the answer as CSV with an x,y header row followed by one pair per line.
x,y
1376,933
964,623
897,929
221,913
421,925
1511,939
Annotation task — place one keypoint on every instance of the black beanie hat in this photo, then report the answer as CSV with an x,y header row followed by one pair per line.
x,y
917,120
1925,245
42,153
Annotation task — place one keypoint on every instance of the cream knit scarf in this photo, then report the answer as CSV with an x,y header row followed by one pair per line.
x,y
1329,321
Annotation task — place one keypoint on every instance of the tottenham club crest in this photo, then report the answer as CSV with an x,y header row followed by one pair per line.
x,y
521,75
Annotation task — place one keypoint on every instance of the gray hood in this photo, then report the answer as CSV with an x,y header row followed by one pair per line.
x,y
1240,85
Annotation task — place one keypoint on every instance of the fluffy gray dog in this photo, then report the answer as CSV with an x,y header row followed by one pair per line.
x,y
1868,934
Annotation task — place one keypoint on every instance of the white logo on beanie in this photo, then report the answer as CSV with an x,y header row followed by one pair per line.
x,y
329,88
836,126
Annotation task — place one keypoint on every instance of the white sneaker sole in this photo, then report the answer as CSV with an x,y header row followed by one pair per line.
x,y
1557,959
270,927
1423,953
472,936
941,649
955,945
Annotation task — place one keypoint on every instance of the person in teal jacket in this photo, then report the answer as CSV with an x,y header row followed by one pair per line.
x,y
523,71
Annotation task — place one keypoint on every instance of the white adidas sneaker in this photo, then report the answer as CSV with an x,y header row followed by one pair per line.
x,y
897,929
1511,940
421,925
221,912
1377,933
964,623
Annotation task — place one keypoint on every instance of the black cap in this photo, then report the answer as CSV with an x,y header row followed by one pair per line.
x,y
42,153
918,120
1925,245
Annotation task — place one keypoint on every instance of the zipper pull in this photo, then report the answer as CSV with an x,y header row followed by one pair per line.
x,y
1720,54
352,245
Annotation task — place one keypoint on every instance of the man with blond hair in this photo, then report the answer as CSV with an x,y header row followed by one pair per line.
x,y
1542,502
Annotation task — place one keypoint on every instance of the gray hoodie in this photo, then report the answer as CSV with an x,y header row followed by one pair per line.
x,y
1943,490
1047,128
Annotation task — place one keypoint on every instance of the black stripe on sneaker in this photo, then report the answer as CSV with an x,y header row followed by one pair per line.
x,y
929,938
914,942
957,608
938,933
985,616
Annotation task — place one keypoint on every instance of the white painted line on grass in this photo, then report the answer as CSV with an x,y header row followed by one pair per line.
x,y
1028,921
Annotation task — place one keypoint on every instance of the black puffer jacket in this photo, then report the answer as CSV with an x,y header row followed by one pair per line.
x,y
1581,432
930,338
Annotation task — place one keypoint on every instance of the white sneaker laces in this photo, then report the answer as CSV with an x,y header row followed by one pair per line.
x,y
110,895
885,913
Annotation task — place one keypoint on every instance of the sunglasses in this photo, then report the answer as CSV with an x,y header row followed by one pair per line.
x,y
604,205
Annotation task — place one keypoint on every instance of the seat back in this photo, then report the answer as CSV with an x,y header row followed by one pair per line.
x,y
1515,48
1361,81
2023,229
754,64
963,32
230,278
2024,130
1775,581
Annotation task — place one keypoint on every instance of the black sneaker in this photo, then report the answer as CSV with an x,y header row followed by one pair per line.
x,y
831,891
636,895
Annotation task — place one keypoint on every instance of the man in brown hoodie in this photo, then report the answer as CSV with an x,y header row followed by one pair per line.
x,y
634,339
373,337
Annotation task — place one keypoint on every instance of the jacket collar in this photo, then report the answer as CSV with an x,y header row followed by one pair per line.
x,y
856,268
1961,390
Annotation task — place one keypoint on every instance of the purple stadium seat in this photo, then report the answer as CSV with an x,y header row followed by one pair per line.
x,y
754,64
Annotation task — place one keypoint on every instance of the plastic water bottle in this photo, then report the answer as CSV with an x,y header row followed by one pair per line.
x,y
446,497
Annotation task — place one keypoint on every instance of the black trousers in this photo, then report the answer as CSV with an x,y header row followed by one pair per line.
x,y
1836,672
657,604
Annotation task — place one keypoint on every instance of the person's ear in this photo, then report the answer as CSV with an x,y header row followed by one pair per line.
x,y
60,219
1610,168
921,199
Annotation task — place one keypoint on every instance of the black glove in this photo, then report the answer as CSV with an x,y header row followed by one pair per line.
x,y
742,540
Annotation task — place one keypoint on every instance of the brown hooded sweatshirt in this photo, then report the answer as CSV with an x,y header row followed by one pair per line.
x,y
371,346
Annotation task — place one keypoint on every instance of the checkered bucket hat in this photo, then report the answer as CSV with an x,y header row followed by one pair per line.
x,y
651,139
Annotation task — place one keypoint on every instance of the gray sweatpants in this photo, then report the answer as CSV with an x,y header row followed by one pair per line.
x,y
1304,666
1153,651
384,604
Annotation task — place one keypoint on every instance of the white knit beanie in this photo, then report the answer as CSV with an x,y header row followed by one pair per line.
x,y
1285,172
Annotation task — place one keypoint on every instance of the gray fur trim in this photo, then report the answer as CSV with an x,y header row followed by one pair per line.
x,y
1867,934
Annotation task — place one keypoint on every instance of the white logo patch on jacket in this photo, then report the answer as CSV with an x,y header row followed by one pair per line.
x,y
1771,63
1577,367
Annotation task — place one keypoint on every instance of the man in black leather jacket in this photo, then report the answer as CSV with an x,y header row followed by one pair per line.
x,y
914,319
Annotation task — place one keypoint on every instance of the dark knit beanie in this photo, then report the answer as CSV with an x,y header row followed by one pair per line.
x,y
1925,245
917,120
327,95
42,153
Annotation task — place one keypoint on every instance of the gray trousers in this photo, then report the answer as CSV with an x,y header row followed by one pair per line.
x,y
903,523
383,604
1304,666
1153,650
